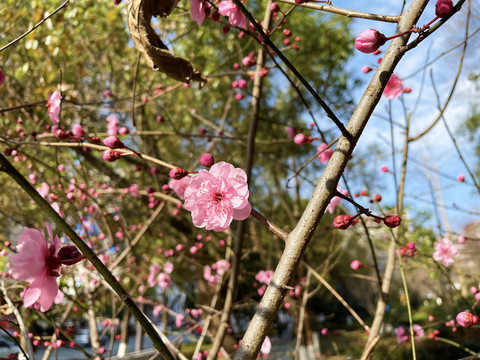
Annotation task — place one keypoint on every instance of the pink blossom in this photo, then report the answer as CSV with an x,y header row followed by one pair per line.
x,y
384,169
153,272
222,266
112,124
77,130
168,267
164,280
235,16
325,155
264,276
38,262
178,320
302,139
113,142
53,104
445,250
369,40
394,87
179,186
403,333
290,132
355,265
218,196
335,201
461,239
266,347
197,10
461,178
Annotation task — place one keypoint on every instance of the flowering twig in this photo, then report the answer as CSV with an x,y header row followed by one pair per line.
x,y
294,70
86,251
65,3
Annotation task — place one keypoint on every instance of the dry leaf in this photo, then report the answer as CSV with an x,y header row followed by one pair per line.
x,y
157,55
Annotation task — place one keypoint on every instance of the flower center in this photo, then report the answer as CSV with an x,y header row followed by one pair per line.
x,y
217,197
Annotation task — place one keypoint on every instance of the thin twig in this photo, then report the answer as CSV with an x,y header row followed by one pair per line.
x,y
35,26
345,12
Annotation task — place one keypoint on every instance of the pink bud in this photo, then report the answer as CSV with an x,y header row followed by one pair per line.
x,y
366,69
473,290
461,239
392,221
461,178
207,160
443,8
431,318
274,7
369,41
301,139
111,155
77,130
324,331
384,169
178,173
355,265
287,33
342,221
113,142
242,84
239,96
407,90
466,319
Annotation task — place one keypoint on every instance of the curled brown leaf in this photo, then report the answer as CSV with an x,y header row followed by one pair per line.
x,y
155,52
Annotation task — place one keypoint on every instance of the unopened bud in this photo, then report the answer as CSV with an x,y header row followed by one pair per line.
x,y
113,142
467,319
443,8
392,221
207,160
369,41
178,173
342,221
111,155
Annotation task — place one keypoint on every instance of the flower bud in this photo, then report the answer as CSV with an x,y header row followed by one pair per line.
x,y
355,265
178,173
69,255
207,160
301,139
467,319
369,40
443,8
392,221
113,142
342,221
111,155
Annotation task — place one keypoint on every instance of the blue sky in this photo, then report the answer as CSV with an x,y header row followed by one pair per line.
x,y
435,150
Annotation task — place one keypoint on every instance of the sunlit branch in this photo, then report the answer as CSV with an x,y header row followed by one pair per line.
x,y
345,12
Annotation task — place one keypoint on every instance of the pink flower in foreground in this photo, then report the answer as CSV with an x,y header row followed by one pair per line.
x,y
266,347
53,105
445,250
179,186
197,10
218,196
38,262
325,155
369,40
394,87
235,16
